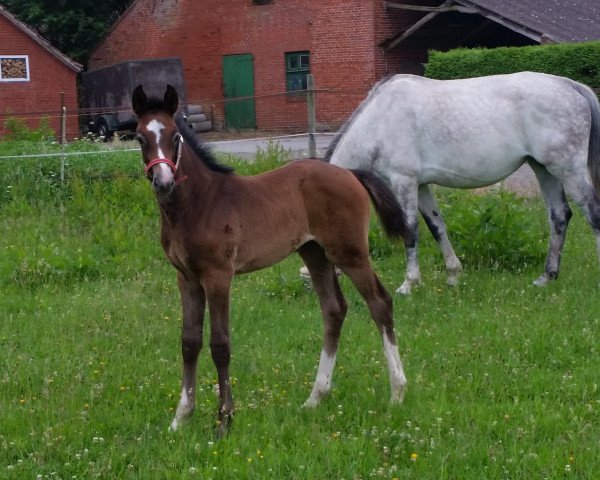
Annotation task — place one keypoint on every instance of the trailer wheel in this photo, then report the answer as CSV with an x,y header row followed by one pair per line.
x,y
103,130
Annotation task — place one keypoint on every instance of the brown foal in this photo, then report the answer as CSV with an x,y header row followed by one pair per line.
x,y
216,224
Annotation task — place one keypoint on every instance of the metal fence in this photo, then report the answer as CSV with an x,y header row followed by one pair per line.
x,y
310,136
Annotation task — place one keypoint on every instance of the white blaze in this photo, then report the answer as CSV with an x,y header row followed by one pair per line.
x,y
157,127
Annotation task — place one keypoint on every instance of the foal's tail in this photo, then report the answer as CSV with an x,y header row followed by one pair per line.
x,y
389,211
594,146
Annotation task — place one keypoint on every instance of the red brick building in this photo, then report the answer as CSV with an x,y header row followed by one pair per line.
x,y
265,48
274,42
32,76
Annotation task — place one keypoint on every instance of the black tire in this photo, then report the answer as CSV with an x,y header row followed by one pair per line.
x,y
103,130
196,118
194,109
201,127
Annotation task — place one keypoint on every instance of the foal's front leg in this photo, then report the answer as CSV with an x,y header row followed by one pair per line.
x,y
192,301
217,285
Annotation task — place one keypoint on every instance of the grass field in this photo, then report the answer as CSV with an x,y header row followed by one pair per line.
x,y
503,376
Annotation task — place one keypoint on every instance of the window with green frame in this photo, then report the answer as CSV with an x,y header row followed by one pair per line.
x,y
297,67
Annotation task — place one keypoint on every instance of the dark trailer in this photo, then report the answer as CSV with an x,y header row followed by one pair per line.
x,y
108,90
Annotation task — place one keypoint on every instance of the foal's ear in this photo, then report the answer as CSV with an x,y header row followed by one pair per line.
x,y
171,100
139,101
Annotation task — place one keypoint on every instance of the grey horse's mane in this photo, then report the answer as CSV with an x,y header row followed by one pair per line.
x,y
338,136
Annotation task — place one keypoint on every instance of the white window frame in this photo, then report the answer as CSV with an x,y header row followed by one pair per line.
x,y
26,57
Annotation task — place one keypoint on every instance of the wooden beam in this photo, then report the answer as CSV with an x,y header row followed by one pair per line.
x,y
440,9
453,5
401,36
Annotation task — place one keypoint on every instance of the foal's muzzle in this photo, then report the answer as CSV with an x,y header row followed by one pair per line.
x,y
163,188
163,179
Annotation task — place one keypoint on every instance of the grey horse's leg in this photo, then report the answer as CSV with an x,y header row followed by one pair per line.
x,y
559,215
583,193
433,218
405,189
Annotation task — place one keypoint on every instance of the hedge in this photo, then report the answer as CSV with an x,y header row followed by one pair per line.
x,y
578,61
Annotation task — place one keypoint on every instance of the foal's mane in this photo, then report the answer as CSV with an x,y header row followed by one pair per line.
x,y
338,136
202,151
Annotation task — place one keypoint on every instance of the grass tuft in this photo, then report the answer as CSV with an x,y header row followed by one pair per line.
x,y
503,376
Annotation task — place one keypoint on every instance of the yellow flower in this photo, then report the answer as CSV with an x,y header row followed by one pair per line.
x,y
413,457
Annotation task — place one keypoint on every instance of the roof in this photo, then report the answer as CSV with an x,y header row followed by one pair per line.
x,y
556,20
543,21
41,41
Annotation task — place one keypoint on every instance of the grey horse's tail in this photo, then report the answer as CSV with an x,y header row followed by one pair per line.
x,y
390,212
594,146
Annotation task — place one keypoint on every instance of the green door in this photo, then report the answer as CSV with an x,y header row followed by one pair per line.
x,y
238,81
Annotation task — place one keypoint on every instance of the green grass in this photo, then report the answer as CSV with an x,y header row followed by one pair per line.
x,y
503,376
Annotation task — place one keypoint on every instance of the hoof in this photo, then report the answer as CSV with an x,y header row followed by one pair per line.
x,y
183,413
223,425
175,425
398,396
315,398
222,429
304,274
311,403
541,281
452,281
404,289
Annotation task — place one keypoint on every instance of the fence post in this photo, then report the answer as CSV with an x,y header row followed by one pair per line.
x,y
63,135
312,116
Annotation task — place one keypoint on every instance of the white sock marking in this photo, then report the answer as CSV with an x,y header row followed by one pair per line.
x,y
183,410
323,381
397,377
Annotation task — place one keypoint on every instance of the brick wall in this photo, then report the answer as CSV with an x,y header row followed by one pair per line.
x,y
338,33
48,78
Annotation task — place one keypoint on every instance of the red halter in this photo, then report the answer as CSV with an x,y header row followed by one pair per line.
x,y
172,166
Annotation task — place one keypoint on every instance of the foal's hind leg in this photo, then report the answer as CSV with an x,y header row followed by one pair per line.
x,y
559,215
192,301
379,302
333,309
433,218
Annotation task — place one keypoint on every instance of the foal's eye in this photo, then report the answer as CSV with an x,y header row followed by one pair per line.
x,y
141,139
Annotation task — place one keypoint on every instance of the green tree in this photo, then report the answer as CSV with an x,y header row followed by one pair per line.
x,y
73,26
